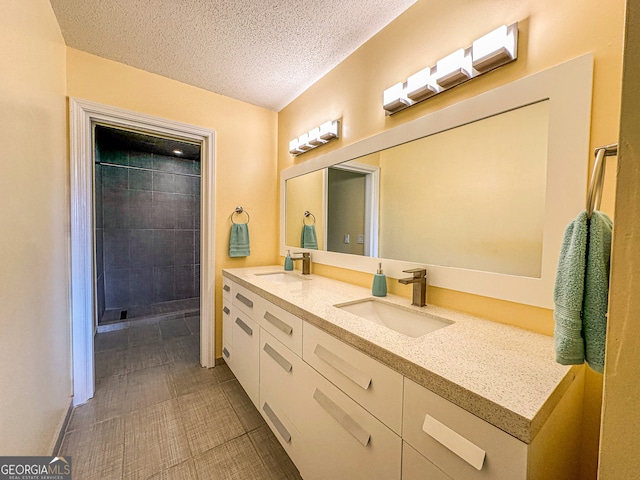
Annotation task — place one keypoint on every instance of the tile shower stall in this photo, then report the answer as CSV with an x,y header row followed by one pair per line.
x,y
147,218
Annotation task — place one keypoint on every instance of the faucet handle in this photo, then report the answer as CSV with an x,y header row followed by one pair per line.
x,y
304,254
417,272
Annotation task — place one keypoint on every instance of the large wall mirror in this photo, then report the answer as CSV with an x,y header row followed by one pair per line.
x,y
479,192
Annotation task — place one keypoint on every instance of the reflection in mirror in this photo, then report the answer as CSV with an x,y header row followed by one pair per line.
x,y
471,197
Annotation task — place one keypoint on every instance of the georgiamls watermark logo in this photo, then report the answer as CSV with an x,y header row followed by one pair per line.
x,y
35,468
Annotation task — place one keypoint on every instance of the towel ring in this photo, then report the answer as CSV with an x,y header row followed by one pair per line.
x,y
238,211
308,214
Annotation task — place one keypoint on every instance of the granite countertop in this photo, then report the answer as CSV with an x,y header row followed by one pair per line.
x,y
505,375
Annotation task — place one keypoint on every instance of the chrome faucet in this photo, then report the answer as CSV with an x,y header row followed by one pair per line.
x,y
419,280
306,261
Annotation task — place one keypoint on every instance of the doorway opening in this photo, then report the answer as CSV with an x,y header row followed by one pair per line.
x,y
84,117
147,226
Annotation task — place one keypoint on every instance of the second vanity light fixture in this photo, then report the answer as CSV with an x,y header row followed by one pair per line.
x,y
493,50
315,137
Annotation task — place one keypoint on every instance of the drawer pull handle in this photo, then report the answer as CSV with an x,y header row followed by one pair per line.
x,y
284,433
244,300
279,324
280,360
469,452
226,310
247,329
226,288
356,376
226,352
343,418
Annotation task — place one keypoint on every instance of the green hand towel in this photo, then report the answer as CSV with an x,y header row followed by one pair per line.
x,y
239,240
568,293
596,289
309,239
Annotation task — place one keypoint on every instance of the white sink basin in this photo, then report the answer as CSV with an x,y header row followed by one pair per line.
x,y
397,318
283,277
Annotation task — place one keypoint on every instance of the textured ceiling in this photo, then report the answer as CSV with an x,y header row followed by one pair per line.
x,y
264,52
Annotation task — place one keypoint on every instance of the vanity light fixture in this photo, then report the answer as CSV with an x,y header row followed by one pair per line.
x,y
315,137
454,68
495,48
490,51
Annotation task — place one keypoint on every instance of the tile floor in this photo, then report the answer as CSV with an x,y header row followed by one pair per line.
x,y
157,414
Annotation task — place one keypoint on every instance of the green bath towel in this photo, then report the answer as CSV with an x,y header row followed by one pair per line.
x,y
596,290
309,239
569,293
239,240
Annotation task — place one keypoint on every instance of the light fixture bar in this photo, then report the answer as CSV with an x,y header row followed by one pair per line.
x,y
490,51
315,137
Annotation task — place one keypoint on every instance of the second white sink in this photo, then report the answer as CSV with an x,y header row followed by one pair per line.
x,y
402,320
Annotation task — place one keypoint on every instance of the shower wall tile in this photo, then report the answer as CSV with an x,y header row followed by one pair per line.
x,y
99,252
185,211
164,247
164,210
100,293
163,182
141,248
117,288
116,249
163,284
141,286
140,180
151,236
116,157
140,209
115,208
141,159
196,235
184,281
185,247
115,177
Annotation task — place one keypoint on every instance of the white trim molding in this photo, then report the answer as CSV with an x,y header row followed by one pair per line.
x,y
83,115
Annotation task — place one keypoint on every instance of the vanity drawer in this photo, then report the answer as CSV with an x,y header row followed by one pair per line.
x,y
416,467
227,320
284,326
373,385
245,300
344,441
227,289
457,442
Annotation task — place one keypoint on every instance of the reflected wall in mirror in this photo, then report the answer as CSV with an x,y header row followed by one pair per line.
x,y
479,192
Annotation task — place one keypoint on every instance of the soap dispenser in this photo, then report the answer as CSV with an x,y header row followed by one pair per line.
x,y
288,261
379,288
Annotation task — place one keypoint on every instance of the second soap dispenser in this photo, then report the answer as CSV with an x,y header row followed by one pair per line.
x,y
379,287
288,261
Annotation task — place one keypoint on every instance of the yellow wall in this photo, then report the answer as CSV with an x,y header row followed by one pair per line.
x,y
620,438
305,193
35,365
245,150
551,32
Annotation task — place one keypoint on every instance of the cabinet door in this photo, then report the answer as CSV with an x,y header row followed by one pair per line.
x,y
344,441
460,444
416,467
245,362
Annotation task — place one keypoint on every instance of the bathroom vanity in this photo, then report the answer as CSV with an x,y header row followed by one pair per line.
x,y
349,397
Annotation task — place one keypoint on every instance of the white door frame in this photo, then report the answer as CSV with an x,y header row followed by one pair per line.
x,y
82,116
